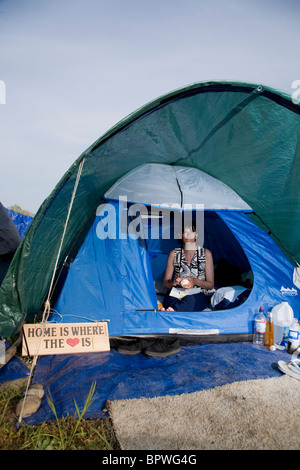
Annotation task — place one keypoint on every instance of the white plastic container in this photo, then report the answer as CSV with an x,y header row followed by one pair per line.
x,y
283,317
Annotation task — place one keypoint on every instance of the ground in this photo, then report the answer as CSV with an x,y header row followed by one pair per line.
x,y
67,433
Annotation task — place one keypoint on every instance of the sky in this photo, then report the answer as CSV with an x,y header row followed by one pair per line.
x,y
71,69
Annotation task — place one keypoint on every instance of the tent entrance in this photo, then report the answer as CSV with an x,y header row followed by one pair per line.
x,y
162,231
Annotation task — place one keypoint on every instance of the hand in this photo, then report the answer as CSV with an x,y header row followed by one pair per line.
x,y
177,281
188,284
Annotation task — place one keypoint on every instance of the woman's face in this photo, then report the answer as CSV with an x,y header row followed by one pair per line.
x,y
189,235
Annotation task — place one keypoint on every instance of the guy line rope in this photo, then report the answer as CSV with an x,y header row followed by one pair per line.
x,y
47,307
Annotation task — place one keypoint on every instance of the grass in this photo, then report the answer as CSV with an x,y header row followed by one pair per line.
x,y
67,433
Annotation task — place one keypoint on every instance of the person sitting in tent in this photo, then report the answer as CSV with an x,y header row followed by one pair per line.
x,y
194,275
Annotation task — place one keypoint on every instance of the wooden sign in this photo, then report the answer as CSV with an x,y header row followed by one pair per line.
x,y
64,338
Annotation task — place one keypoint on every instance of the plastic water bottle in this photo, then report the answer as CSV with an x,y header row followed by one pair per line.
x,y
294,337
260,323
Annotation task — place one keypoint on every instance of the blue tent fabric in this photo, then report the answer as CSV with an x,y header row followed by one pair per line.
x,y
108,280
69,377
111,279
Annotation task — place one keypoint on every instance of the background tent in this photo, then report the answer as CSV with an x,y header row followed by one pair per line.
x,y
245,135
9,241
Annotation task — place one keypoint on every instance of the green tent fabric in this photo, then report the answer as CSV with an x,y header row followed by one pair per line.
x,y
247,135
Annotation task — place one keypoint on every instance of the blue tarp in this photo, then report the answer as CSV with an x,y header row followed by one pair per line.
x,y
111,279
21,221
117,376
13,370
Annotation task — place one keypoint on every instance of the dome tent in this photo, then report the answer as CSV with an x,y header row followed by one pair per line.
x,y
245,135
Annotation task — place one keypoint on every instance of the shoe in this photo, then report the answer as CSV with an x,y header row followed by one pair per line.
x,y
163,348
131,348
290,368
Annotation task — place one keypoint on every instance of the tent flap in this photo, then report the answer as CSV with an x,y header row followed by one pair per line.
x,y
108,279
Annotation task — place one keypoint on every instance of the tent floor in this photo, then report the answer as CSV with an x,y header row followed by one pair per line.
x,y
187,340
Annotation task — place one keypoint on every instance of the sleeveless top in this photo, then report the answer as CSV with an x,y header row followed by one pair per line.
x,y
195,269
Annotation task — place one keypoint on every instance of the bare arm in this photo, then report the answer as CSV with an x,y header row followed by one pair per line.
x,y
168,278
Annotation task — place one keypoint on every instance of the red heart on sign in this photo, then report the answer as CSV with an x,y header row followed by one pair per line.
x,y
72,341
